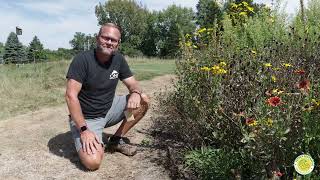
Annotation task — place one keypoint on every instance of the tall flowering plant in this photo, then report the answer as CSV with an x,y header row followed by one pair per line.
x,y
261,104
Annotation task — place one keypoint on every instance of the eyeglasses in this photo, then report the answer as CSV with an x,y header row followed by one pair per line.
x,y
107,38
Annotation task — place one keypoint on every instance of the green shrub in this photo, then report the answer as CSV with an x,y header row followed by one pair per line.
x,y
253,90
212,163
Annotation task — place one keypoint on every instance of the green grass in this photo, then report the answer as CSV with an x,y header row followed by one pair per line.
x,y
30,87
145,69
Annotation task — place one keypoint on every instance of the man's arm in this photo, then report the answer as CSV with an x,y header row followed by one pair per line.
x,y
135,92
89,139
73,89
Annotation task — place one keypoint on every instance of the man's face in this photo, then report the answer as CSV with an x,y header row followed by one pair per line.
x,y
108,40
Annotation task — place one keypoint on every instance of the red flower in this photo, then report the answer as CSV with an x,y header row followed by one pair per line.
x,y
279,174
251,122
274,101
300,72
304,85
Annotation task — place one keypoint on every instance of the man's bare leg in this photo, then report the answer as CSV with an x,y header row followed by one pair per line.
x,y
137,114
116,142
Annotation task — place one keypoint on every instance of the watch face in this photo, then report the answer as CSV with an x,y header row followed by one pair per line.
x,y
83,128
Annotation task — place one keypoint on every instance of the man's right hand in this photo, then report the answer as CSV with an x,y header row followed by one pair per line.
x,y
90,142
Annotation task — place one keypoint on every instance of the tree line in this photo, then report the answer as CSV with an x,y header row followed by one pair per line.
x,y
14,52
158,33
144,32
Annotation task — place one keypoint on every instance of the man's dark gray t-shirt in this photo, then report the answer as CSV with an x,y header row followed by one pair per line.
x,y
99,81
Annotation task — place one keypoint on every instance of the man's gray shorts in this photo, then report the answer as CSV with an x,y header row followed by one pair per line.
x,y
113,117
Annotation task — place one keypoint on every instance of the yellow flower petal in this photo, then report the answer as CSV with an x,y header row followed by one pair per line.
x,y
286,65
273,78
267,64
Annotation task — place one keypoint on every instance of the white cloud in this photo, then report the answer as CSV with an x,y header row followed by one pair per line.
x,y
159,5
53,22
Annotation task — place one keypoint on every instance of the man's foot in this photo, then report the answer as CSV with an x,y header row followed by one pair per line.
x,y
119,145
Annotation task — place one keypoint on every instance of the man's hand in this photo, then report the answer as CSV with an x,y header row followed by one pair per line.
x,y
134,101
90,142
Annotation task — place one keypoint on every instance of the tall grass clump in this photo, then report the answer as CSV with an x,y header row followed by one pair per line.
x,y
246,101
31,86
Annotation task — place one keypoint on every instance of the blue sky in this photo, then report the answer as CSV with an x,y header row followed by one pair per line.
x,y
56,21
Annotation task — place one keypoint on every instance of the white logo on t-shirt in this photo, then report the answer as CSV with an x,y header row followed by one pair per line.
x,y
114,74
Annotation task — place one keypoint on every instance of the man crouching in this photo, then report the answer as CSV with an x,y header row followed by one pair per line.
x,y
92,79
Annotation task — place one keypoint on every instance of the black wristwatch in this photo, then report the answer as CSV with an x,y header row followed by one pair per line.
x,y
83,128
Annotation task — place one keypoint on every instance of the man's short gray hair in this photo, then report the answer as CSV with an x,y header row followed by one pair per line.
x,y
110,25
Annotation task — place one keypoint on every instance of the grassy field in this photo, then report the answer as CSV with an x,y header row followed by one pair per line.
x,y
30,87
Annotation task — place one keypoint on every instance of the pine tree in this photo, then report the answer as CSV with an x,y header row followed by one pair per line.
x,y
13,52
36,52
1,52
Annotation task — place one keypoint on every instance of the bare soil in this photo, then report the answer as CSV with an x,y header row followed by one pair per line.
x,y
38,145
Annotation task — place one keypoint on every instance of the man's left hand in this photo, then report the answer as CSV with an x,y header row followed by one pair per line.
x,y
134,101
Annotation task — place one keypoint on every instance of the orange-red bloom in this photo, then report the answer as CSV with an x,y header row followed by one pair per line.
x,y
251,122
300,72
274,101
304,85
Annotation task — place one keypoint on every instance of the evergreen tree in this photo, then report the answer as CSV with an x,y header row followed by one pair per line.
x,y
36,52
1,52
1,47
13,52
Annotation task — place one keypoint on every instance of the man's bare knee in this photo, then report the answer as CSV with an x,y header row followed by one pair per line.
x,y
91,162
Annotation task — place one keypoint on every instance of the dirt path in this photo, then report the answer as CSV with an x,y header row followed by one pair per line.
x,y
38,145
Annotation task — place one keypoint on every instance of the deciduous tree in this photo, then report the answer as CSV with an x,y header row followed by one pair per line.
x,y
131,17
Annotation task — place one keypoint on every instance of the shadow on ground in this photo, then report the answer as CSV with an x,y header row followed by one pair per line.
x,y
62,145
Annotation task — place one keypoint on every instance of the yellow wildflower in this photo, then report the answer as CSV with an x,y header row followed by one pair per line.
x,y
222,71
195,47
286,65
245,3
243,13
251,122
202,30
276,69
277,91
218,70
205,68
267,64
273,78
253,52
188,44
250,9
317,103
188,35
222,63
215,68
269,122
